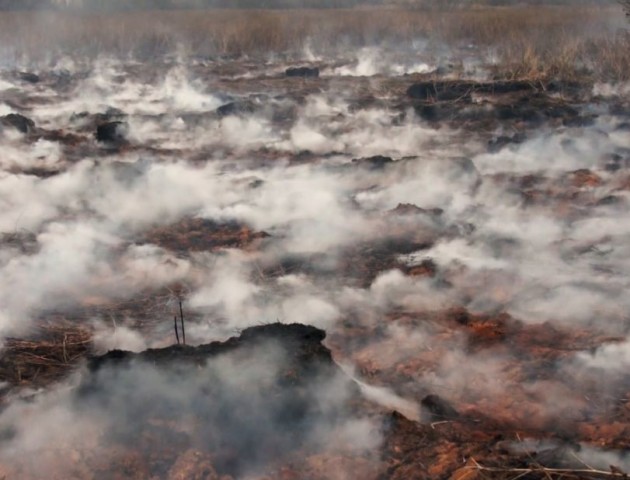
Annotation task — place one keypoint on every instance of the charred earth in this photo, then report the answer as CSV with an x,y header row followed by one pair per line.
x,y
451,213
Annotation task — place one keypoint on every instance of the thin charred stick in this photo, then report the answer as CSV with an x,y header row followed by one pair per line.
x,y
181,316
175,325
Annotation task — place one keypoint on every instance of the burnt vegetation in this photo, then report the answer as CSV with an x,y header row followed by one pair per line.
x,y
451,224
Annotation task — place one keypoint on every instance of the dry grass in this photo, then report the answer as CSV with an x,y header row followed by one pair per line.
x,y
539,471
45,357
523,42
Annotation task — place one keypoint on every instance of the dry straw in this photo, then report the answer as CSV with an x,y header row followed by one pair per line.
x,y
522,41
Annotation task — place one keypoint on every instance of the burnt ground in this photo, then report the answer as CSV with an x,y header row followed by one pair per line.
x,y
499,395
193,235
274,414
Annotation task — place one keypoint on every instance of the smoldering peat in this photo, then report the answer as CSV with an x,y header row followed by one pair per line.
x,y
458,235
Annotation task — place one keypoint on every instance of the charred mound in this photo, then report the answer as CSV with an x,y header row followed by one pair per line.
x,y
246,403
302,341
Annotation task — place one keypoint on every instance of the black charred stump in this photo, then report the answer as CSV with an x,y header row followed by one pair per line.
x,y
303,72
86,119
28,77
112,133
430,113
252,398
19,122
243,107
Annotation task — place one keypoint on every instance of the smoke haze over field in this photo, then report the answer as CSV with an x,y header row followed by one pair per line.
x,y
464,245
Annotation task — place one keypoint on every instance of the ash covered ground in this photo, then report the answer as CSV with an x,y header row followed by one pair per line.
x,y
455,250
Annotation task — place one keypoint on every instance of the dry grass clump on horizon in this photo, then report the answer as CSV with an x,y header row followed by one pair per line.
x,y
518,42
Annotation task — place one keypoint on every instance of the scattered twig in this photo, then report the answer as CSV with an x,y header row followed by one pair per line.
x,y
576,473
581,461
181,316
175,325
